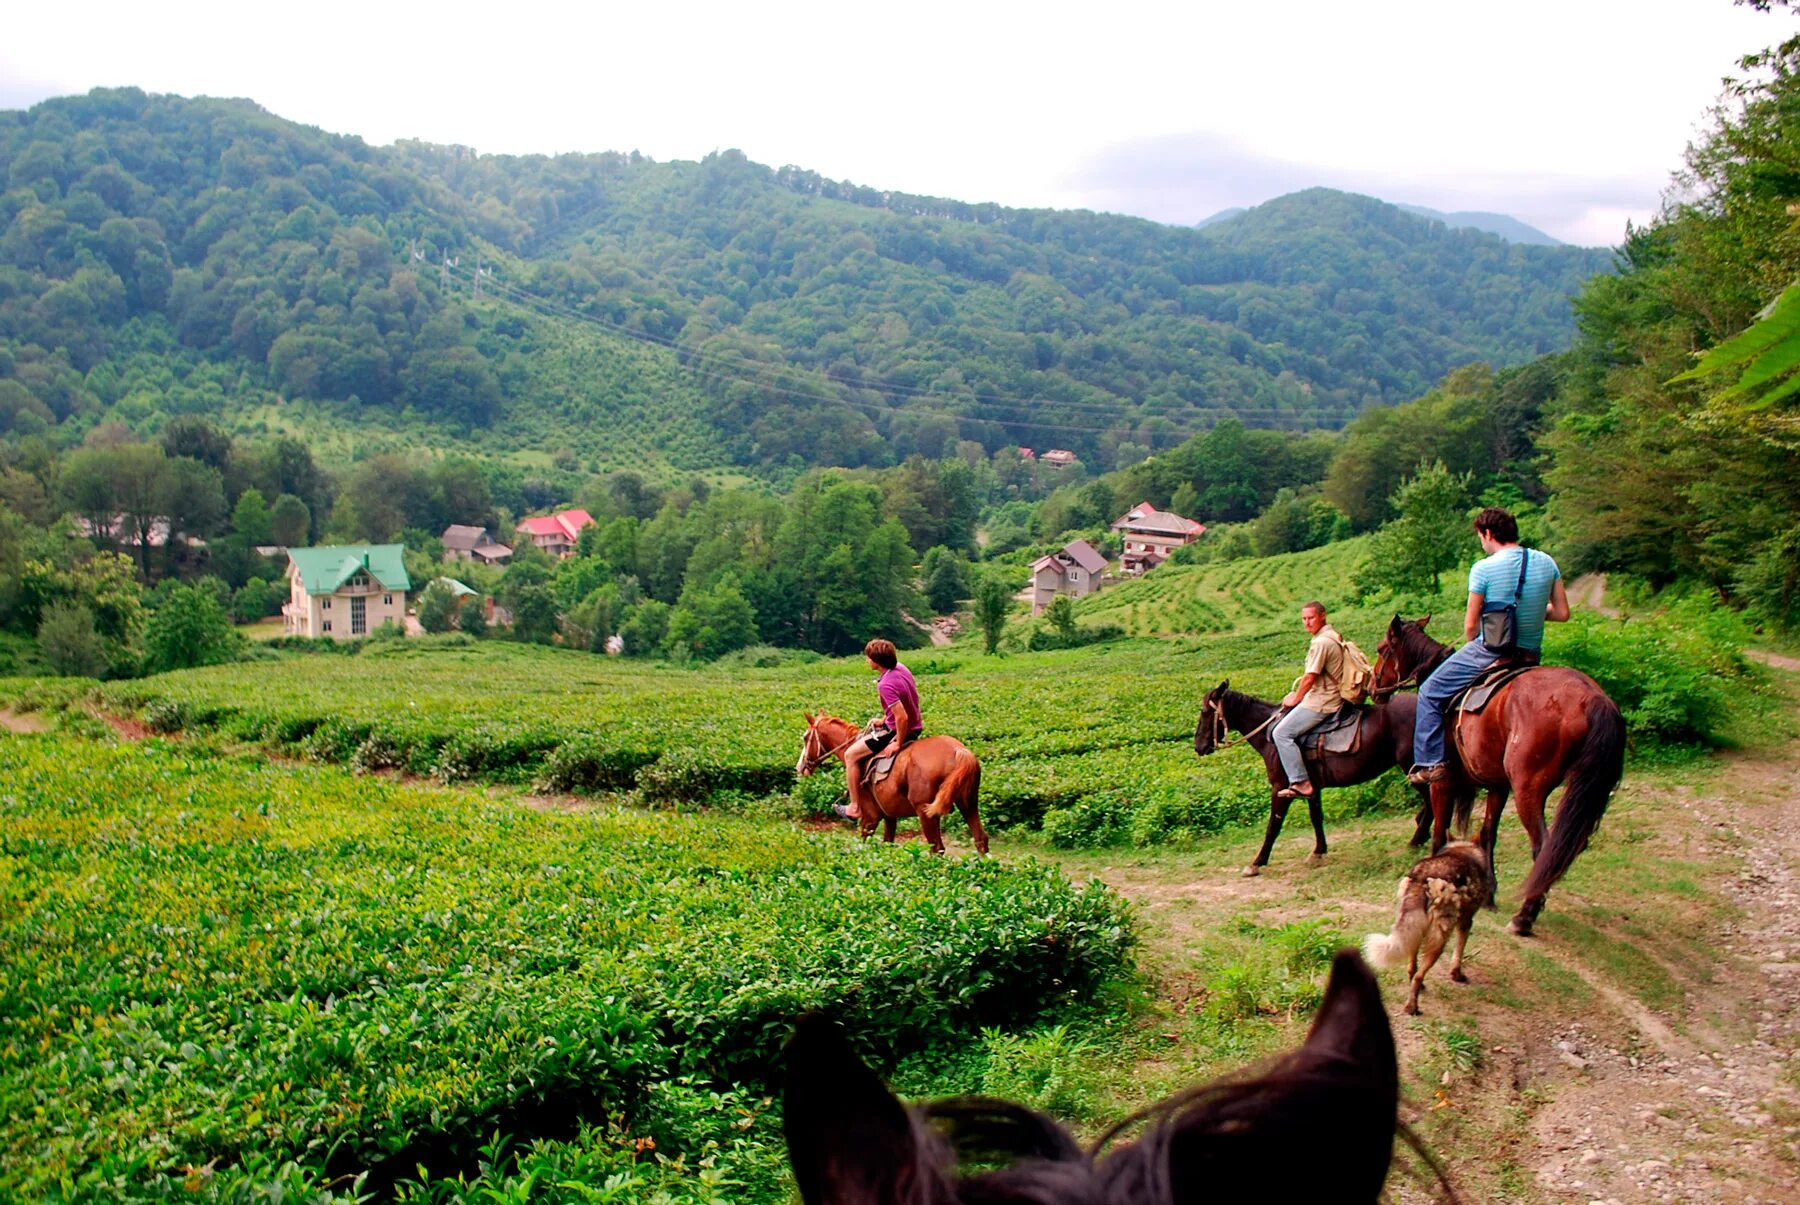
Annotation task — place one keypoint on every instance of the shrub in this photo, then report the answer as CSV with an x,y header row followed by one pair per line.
x,y
1670,672
68,641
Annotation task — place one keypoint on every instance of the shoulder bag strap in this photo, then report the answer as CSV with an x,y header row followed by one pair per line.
x,y
1524,564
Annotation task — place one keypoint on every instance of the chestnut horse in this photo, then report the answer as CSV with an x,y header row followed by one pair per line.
x,y
1386,742
932,775
1546,726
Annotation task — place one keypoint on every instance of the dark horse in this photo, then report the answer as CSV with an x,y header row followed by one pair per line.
x,y
1332,1103
1387,735
1546,726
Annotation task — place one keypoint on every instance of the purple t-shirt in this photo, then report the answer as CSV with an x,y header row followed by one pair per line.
x,y
897,686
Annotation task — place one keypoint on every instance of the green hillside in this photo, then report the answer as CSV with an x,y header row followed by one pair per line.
x,y
161,255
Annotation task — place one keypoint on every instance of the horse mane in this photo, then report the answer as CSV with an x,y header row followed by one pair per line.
x,y
1236,702
1335,1098
1422,651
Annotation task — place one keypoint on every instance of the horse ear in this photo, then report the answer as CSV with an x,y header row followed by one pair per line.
x,y
1423,620
1336,1098
849,1139
809,718
1225,685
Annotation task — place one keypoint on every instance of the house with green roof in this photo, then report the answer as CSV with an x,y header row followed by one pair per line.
x,y
345,590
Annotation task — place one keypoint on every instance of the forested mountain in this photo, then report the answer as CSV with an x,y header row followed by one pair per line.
x,y
161,255
1509,228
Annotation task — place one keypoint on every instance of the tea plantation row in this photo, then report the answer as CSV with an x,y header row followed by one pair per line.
x,y
231,980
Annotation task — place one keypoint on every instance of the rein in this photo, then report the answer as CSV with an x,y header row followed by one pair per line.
x,y
813,763
1223,740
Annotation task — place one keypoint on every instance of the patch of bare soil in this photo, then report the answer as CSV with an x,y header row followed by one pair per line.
x,y
1774,660
126,729
14,722
1587,592
1705,1109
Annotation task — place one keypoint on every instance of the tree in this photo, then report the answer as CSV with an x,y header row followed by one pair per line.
x,y
710,622
437,606
250,517
993,598
534,615
1431,535
946,577
68,642
472,616
290,522
189,629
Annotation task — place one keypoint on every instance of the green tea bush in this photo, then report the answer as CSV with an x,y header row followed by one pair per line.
x,y
235,966
1673,672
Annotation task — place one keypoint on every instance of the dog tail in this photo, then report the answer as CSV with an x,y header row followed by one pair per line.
x,y
1387,950
1596,772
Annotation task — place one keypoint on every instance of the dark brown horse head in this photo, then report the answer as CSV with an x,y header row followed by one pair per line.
x,y
1398,656
1209,729
852,1143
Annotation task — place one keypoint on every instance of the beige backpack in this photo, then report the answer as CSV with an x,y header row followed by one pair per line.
x,y
1357,676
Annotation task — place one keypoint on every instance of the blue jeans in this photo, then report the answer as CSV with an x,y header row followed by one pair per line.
x,y
1464,666
1294,725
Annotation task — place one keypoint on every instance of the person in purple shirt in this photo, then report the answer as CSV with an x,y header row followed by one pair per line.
x,y
898,723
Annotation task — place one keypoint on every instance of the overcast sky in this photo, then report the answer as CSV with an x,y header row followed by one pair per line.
x,y
1569,115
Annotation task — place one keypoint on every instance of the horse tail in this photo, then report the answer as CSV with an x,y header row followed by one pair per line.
x,y
1597,770
960,787
1465,808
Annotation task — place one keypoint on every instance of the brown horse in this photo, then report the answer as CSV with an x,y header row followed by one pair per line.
x,y
1386,742
931,776
1547,726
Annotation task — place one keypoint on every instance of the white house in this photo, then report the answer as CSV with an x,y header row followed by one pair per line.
x,y
345,591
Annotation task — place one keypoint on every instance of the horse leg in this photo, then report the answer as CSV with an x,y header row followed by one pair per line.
x,y
1441,804
1316,808
933,831
1529,803
1490,838
889,825
1277,813
1422,826
971,815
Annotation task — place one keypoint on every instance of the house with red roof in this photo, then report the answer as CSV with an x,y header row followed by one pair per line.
x,y
555,534
1150,535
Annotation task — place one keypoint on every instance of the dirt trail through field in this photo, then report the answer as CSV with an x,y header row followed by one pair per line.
x,y
1584,1091
13,722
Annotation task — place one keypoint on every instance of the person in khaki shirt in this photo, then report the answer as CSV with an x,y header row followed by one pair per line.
x,y
1313,700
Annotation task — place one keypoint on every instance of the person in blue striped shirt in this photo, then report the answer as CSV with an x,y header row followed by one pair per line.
x,y
1494,580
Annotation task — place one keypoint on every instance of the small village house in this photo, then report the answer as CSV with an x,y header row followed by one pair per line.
x,y
344,591
1150,535
555,534
1058,458
465,543
1075,571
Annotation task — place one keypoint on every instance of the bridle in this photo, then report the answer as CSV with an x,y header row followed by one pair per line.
x,y
810,761
1222,728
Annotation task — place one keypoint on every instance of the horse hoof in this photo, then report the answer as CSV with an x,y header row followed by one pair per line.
x,y
1315,859
1458,976
1411,1008
1518,928
1252,870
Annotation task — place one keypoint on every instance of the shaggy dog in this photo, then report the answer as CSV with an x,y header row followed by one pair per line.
x,y
1440,894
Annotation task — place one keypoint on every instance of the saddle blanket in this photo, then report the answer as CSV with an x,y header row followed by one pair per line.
x,y
879,768
1481,692
1342,733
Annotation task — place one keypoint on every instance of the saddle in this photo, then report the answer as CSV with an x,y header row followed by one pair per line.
x,y
1339,735
877,768
1482,690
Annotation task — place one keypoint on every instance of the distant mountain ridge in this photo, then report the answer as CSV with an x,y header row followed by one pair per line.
x,y
165,255
1509,228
